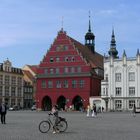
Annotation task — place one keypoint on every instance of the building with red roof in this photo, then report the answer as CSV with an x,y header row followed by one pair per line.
x,y
70,73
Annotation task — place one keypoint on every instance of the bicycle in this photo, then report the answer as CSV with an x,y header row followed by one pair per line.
x,y
45,125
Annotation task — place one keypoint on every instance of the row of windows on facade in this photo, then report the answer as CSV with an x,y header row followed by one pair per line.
x,y
6,91
14,89
6,79
28,96
118,77
63,84
119,103
118,91
66,70
62,48
10,69
65,59
12,101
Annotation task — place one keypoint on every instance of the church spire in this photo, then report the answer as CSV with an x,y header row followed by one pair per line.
x,y
90,38
113,51
89,29
113,41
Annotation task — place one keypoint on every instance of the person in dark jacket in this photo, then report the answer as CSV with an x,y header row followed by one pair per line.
x,y
54,112
3,111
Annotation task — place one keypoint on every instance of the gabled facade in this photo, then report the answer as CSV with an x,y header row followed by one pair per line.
x,y
120,87
69,74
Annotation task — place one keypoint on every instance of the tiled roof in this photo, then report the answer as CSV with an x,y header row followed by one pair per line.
x,y
95,59
28,74
33,68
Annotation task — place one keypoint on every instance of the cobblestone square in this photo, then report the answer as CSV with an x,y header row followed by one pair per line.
x,y
23,125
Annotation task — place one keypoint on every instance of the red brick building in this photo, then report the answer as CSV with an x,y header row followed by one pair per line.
x,y
70,73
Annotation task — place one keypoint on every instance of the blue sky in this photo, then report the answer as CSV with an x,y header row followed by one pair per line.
x,y
29,27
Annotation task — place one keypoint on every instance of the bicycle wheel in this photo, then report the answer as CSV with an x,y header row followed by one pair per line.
x,y
62,126
44,126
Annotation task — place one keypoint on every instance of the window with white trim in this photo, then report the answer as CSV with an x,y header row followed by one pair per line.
x,y
72,59
74,83
72,69
13,80
66,59
57,59
51,71
46,71
118,91
81,83
43,84
131,91
65,83
58,84
66,69
6,91
51,60
118,77
65,48
13,91
131,76
78,69
131,104
118,104
57,70
50,84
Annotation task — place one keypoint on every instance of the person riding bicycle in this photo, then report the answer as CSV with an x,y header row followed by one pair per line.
x,y
54,112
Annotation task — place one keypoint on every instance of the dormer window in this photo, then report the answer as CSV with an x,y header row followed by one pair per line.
x,y
51,60
65,48
57,48
66,59
7,65
57,59
72,59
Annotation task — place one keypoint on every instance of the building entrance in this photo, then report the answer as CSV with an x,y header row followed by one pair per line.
x,y
61,102
78,103
46,103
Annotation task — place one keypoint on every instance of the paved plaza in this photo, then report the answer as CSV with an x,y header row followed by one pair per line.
x,y
23,125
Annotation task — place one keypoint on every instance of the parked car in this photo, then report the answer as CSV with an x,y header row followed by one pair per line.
x,y
11,108
33,107
15,107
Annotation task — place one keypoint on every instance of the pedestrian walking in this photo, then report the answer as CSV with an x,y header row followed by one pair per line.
x,y
3,111
94,111
88,110
134,111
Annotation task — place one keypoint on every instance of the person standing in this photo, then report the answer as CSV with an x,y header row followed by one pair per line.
x,y
94,111
3,111
134,111
88,110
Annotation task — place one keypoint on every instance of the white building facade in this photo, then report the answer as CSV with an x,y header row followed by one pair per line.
x,y
120,88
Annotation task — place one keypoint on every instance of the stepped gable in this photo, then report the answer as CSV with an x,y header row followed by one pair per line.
x,y
62,39
95,59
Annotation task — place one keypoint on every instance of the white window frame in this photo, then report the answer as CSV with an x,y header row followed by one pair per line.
x,y
118,77
131,76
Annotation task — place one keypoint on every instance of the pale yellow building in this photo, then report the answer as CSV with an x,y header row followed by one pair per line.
x,y
11,84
